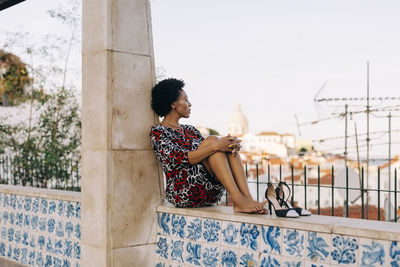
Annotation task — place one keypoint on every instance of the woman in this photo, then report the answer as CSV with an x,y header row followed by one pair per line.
x,y
197,170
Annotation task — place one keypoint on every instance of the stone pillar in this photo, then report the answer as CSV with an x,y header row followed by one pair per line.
x,y
120,176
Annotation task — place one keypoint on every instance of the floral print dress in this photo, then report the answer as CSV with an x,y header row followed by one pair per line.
x,y
188,185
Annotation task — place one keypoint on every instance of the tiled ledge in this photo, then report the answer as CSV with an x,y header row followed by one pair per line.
x,y
323,224
41,192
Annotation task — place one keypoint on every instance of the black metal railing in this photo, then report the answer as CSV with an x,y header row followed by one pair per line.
x,y
367,209
40,172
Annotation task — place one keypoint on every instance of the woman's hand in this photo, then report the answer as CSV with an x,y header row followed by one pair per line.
x,y
229,144
213,144
236,144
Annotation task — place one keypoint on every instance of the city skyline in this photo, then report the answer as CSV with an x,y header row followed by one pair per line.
x,y
271,57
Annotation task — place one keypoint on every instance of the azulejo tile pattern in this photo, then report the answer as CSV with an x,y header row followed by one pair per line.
x,y
271,236
293,243
344,250
210,256
229,257
193,241
269,261
372,253
211,230
249,234
193,253
40,232
395,254
248,258
317,246
194,229
177,250
230,233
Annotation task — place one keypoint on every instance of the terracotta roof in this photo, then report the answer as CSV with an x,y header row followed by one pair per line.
x,y
268,133
394,160
296,178
311,162
354,212
331,160
325,179
297,164
276,161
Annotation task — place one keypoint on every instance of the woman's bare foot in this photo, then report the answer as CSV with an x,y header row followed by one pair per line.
x,y
246,205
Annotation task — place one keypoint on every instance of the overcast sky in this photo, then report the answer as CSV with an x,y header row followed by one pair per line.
x,y
272,57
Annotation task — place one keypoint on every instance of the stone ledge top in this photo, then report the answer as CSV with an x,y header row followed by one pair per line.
x,y
41,192
316,223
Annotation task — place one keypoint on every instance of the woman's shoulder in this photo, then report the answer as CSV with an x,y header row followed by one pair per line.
x,y
157,129
188,126
191,128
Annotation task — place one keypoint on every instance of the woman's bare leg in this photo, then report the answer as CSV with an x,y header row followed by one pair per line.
x,y
236,165
218,164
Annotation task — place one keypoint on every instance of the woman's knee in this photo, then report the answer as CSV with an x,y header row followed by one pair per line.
x,y
211,139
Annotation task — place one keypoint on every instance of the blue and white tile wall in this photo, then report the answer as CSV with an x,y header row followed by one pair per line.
x,y
40,232
192,241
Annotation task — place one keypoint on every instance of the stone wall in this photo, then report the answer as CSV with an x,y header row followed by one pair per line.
x,y
120,175
217,237
40,227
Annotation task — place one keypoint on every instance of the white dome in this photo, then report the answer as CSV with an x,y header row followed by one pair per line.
x,y
238,124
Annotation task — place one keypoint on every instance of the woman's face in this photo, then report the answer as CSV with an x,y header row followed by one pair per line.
x,y
182,105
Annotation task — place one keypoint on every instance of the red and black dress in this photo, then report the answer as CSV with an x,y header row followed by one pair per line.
x,y
188,185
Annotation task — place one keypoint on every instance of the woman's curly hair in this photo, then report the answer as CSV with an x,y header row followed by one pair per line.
x,y
164,93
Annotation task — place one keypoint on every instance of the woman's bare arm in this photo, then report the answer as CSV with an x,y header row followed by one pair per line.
x,y
211,145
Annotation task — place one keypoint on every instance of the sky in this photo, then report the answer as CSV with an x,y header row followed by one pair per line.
x,y
272,58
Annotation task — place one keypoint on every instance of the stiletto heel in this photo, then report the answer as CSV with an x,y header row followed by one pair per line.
x,y
270,195
280,196
270,207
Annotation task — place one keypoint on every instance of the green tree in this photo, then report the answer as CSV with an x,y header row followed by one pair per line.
x,y
43,149
14,79
213,132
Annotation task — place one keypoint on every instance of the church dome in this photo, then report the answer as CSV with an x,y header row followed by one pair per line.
x,y
238,124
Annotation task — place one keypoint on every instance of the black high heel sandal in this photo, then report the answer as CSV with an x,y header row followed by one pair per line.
x,y
280,196
270,195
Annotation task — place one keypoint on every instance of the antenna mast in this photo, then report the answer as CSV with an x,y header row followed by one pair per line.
x,y
368,139
345,136
389,165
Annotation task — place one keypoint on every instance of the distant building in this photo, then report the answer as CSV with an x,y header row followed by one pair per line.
x,y
264,143
271,143
238,123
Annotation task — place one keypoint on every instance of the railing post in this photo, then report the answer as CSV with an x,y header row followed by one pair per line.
x,y
2,169
319,191
379,194
258,184
362,193
333,192
31,170
292,200
347,191
9,170
395,194
78,175
269,173
305,186
280,173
